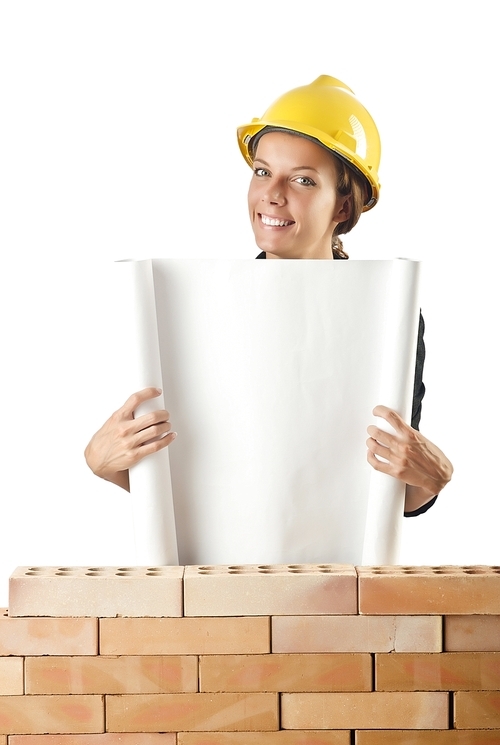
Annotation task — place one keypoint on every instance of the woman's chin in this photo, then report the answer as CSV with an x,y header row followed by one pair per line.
x,y
275,248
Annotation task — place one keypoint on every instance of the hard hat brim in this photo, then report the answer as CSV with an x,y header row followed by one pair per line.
x,y
247,132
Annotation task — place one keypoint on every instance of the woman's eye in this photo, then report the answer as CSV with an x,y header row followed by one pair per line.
x,y
260,172
305,181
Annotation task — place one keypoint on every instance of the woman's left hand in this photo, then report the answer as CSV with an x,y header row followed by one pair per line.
x,y
410,456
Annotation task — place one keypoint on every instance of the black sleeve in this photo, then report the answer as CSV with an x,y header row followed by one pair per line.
x,y
418,387
418,394
422,509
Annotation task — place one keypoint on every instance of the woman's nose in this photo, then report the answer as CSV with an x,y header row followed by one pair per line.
x,y
275,194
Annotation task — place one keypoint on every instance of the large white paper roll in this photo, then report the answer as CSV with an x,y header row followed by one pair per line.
x,y
270,371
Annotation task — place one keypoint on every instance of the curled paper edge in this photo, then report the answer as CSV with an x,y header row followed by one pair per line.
x,y
386,494
150,481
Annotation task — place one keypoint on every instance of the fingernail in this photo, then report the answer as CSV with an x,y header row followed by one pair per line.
x,y
174,435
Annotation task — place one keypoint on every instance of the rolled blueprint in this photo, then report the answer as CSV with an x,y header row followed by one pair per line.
x,y
150,481
271,371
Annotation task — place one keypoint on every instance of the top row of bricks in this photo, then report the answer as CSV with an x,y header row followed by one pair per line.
x,y
253,590
246,590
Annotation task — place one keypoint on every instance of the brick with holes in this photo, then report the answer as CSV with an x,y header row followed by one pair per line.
x,y
445,590
273,589
96,591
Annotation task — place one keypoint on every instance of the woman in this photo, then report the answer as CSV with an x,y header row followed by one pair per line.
x,y
315,155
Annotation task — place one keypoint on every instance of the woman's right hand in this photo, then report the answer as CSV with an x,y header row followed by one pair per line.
x,y
123,441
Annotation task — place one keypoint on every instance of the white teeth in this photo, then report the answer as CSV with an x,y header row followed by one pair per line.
x,y
274,221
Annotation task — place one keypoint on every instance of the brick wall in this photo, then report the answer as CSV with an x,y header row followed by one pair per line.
x,y
247,655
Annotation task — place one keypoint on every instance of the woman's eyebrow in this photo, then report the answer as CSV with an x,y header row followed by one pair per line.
x,y
305,168
297,168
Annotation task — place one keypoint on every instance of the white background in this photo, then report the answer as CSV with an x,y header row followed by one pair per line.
x,y
117,140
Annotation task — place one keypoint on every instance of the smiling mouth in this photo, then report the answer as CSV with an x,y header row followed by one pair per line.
x,y
274,222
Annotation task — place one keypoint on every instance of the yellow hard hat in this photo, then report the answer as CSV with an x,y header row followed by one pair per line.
x,y
327,111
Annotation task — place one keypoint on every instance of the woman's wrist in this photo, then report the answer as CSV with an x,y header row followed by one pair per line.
x,y
417,496
120,478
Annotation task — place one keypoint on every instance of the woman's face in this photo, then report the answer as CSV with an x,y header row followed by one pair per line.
x,y
293,201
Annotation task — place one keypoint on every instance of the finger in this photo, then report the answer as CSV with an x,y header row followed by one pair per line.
x,y
151,433
379,450
378,465
392,417
151,419
154,446
384,438
138,398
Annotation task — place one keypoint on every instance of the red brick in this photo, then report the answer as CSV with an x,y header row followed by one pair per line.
x,y
283,737
136,636
174,712
356,634
286,672
11,676
96,591
155,674
107,738
428,737
274,589
477,710
454,671
429,590
39,636
419,710
472,633
51,714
